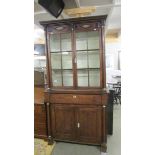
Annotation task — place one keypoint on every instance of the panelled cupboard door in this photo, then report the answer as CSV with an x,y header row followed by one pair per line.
x,y
63,122
89,124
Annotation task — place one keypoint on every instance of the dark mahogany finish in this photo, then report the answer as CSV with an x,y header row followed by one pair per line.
x,y
63,122
76,113
90,130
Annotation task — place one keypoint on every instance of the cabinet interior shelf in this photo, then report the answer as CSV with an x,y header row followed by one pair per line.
x,y
59,51
88,50
76,50
77,69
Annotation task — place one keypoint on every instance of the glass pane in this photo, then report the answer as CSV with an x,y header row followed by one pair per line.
x,y
67,60
55,42
56,77
94,59
81,41
82,59
82,77
94,78
56,60
66,42
67,77
93,40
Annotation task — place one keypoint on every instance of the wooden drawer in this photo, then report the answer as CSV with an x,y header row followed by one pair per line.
x,y
77,99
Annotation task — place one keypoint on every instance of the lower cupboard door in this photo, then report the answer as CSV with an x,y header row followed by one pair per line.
x,y
63,122
89,124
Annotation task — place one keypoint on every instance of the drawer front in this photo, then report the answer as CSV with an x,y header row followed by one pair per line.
x,y
77,99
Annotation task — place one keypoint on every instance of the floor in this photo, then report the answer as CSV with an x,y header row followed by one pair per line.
x,y
113,144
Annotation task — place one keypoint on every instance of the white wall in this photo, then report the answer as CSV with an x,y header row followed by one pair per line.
x,y
112,55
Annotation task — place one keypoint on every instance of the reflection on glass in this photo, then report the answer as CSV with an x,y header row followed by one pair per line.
x,y
93,40
82,59
94,78
66,42
56,77
81,41
82,77
67,78
55,42
56,60
67,60
93,59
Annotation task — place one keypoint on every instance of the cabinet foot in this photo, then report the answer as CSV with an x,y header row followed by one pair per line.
x,y
50,140
103,148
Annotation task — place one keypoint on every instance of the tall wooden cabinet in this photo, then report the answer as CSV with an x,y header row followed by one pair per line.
x,y
76,97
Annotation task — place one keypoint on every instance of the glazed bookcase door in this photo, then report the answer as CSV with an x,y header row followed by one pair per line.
x,y
87,55
61,57
75,56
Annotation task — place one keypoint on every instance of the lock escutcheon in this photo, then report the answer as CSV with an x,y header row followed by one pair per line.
x,y
74,96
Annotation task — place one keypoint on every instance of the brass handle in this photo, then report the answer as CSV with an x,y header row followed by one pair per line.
x,y
78,125
74,96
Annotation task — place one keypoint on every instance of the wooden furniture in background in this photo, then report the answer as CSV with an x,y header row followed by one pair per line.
x,y
76,97
40,121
